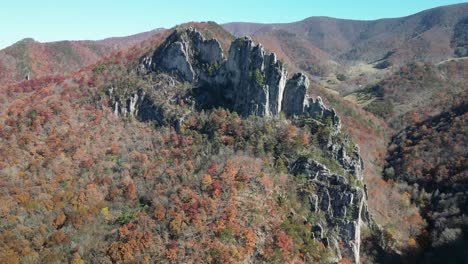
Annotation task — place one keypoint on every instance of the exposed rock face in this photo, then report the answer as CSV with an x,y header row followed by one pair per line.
x,y
253,82
316,109
350,160
136,104
130,106
175,58
187,54
295,95
343,205
296,102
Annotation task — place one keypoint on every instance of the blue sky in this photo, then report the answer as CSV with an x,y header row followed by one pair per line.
x,y
52,20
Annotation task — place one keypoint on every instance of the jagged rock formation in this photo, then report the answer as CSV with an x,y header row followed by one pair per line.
x,y
186,54
255,79
131,106
295,95
297,102
128,101
253,82
316,109
344,207
250,81
349,158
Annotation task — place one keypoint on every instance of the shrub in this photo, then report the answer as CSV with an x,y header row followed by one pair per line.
x,y
257,77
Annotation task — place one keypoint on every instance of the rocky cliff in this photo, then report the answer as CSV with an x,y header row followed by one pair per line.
x,y
297,102
252,81
187,55
342,205
249,81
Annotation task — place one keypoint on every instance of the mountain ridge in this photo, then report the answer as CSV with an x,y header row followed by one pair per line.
x,y
333,43
181,194
144,143
29,58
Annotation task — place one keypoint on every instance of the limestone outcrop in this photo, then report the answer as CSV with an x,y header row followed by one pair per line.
x,y
295,95
187,55
296,102
349,159
252,81
255,79
130,106
344,208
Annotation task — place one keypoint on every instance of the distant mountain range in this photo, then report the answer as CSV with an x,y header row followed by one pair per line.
x,y
320,44
31,59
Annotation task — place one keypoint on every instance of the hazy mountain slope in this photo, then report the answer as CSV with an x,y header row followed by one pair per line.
x,y
427,35
34,59
240,29
414,92
429,159
129,40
